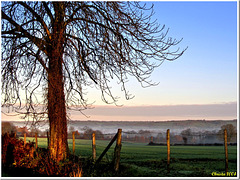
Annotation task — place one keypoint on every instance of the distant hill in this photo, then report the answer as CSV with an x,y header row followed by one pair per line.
x,y
153,126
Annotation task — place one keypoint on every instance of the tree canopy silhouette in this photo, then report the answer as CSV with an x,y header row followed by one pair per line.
x,y
57,49
231,132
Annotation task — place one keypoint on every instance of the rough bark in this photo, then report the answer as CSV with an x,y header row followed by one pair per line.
x,y
56,97
57,112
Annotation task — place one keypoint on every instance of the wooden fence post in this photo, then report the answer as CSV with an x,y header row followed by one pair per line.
x,y
48,140
73,138
36,140
25,139
117,150
168,150
226,151
94,146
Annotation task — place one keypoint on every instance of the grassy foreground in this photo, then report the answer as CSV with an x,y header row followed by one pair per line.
x,y
141,160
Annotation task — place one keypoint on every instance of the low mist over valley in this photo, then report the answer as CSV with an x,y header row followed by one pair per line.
x,y
195,132
107,127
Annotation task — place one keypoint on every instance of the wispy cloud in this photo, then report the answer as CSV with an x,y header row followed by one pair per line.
x,y
220,111
165,112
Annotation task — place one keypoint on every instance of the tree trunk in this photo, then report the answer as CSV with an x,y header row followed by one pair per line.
x,y
56,98
57,115
57,111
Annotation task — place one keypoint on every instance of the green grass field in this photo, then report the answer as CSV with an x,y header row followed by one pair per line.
x,y
141,160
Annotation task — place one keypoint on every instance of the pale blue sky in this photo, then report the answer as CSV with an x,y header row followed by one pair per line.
x,y
207,72
205,76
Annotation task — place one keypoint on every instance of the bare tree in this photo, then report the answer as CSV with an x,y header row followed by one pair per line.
x,y
8,127
231,132
59,48
186,135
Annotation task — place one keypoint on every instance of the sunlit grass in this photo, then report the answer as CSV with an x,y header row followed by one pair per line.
x,y
144,160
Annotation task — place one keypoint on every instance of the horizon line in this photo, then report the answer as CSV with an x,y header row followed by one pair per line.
x,y
132,120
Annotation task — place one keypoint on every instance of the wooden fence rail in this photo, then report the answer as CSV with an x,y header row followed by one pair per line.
x,y
117,148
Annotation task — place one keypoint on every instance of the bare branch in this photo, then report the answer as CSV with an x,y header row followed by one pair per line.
x,y
38,42
99,42
48,11
39,19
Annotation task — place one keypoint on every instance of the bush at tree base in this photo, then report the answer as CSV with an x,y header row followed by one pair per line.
x,y
16,155
14,152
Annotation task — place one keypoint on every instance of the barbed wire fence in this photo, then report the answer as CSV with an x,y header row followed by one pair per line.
x,y
183,139
186,138
209,139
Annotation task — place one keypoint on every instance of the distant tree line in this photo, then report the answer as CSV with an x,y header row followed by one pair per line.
x,y
8,127
87,134
186,137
